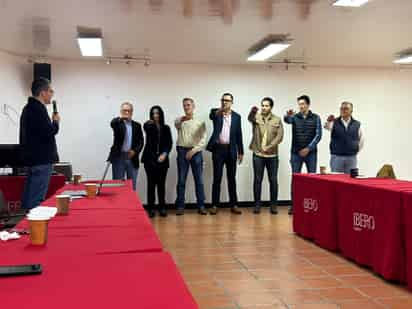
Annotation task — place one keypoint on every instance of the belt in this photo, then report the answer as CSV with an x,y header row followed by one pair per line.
x,y
184,148
224,146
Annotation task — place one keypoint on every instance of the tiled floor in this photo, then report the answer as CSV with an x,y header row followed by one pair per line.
x,y
255,261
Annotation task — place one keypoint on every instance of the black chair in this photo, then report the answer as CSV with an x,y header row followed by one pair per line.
x,y
64,168
7,219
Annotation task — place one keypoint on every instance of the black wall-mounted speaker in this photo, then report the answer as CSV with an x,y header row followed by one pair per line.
x,y
42,70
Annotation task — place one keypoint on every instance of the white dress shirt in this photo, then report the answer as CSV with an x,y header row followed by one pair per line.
x,y
224,137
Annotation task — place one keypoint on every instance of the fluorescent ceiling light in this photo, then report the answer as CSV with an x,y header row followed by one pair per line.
x,y
407,59
268,51
90,47
350,3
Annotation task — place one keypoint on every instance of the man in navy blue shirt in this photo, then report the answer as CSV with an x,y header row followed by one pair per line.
x,y
37,139
306,134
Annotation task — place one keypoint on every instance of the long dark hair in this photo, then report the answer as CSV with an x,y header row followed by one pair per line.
x,y
161,114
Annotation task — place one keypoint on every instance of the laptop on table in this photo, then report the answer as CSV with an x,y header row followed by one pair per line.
x,y
101,184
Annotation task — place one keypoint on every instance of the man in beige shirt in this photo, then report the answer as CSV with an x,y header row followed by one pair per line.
x,y
191,139
267,135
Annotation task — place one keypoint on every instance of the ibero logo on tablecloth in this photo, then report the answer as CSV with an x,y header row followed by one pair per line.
x,y
363,222
310,205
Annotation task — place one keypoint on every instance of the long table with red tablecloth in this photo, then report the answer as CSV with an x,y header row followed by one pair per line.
x,y
364,219
104,254
13,187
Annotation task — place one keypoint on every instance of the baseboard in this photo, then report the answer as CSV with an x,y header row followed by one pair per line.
x,y
244,204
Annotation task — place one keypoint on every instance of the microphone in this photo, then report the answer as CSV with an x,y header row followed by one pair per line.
x,y
54,107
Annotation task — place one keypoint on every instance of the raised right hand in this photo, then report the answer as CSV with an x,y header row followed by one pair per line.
x,y
331,118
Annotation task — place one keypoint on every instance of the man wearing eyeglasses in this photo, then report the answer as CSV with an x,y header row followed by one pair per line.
x,y
38,141
226,145
346,139
127,145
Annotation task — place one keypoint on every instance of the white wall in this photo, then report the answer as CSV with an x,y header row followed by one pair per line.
x,y
89,95
13,82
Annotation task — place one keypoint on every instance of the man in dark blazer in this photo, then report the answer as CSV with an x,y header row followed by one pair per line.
x,y
38,142
127,145
226,145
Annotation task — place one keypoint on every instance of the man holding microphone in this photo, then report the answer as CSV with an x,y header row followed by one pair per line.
x,y
38,142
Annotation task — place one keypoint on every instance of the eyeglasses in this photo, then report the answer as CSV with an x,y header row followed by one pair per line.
x,y
126,110
226,101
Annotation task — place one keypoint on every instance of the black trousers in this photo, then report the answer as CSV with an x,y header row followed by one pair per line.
x,y
156,179
259,166
221,157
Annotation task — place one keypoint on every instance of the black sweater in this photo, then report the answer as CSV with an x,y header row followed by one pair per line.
x,y
37,134
158,141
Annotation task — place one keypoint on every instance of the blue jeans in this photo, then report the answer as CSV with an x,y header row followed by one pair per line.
x,y
296,161
36,186
271,165
311,161
196,163
343,164
123,166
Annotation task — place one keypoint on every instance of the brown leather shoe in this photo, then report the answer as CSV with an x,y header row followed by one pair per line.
x,y
213,210
202,211
274,210
236,211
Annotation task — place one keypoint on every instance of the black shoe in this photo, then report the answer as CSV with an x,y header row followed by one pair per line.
x,y
290,212
274,210
202,211
151,213
163,212
213,211
236,211
256,210
180,212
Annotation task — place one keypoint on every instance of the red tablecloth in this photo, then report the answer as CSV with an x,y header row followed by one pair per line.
x,y
315,213
111,222
364,214
13,186
407,225
104,254
144,281
88,241
111,198
370,227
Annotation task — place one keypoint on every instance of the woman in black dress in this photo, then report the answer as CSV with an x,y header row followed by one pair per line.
x,y
156,159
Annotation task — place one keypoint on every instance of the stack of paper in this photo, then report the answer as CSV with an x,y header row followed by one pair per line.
x,y
42,213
